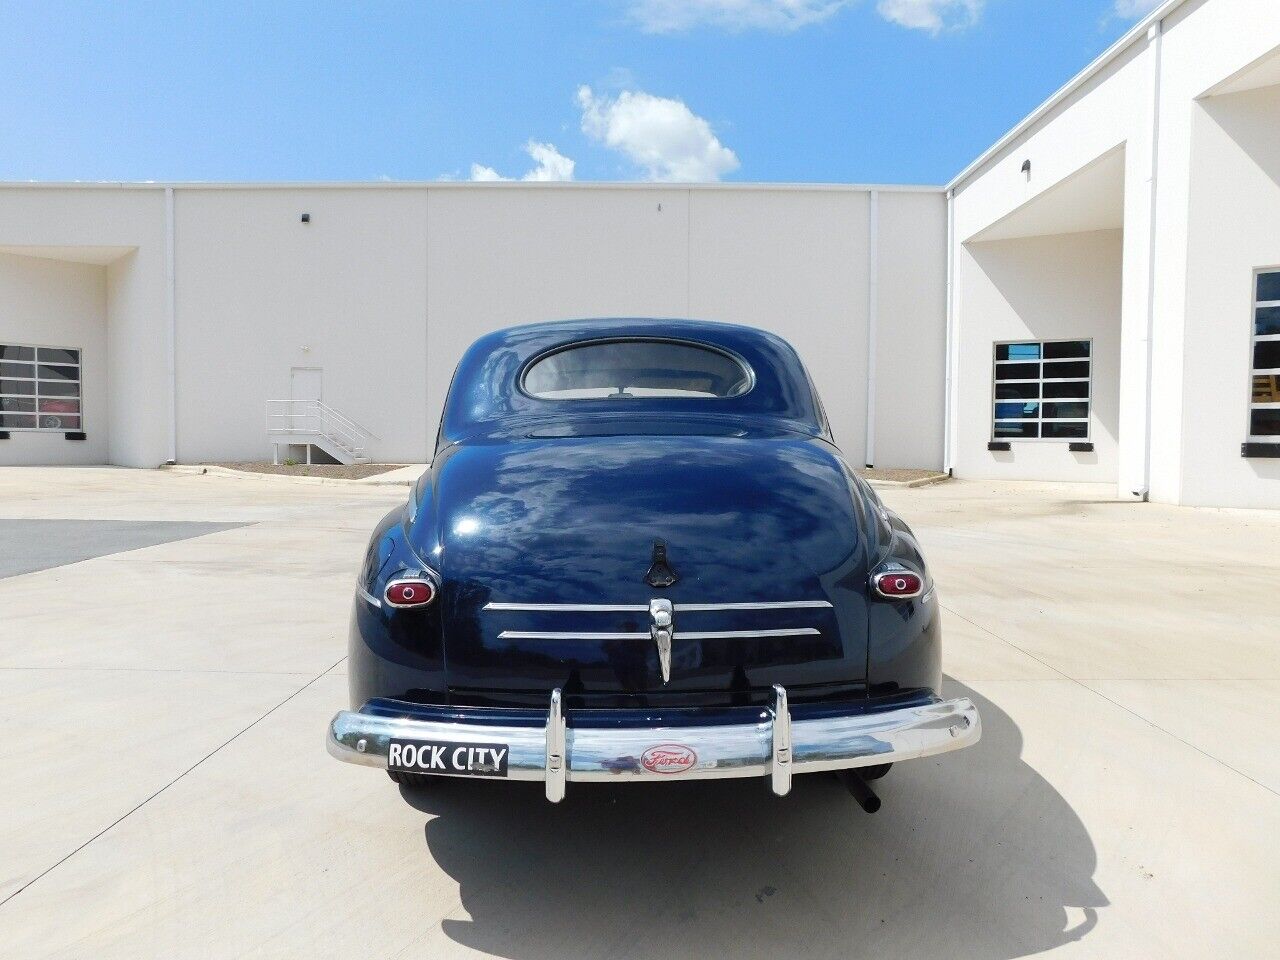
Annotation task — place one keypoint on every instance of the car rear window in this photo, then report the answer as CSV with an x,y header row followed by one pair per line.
x,y
636,368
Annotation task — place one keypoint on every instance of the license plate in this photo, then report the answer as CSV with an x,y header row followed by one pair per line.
x,y
448,757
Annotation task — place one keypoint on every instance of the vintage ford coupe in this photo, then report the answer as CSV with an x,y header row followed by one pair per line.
x,y
638,555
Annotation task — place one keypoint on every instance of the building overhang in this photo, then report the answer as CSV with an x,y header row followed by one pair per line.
x,y
99,255
1088,200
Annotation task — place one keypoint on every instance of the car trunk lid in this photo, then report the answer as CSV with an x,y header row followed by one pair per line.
x,y
547,548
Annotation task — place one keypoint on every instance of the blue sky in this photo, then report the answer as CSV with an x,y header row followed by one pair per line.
x,y
896,91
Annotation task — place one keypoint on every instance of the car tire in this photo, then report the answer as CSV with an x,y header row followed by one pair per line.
x,y
415,780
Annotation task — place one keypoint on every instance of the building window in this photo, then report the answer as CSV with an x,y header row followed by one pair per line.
x,y
39,388
1041,390
1264,403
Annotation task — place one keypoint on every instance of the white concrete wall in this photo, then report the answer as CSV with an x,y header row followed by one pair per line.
x,y
796,265
259,292
910,348
56,303
385,287
1107,113
1163,300
503,255
123,228
1234,224
791,261
1040,288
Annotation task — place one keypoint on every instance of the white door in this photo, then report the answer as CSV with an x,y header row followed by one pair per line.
x,y
306,383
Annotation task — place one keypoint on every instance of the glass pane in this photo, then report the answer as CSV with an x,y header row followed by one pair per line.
x,y
1030,428
59,388
1017,391
58,373
17,353
1269,286
60,421
1017,371
59,405
630,369
1059,411
1266,355
1268,321
18,404
17,370
1066,368
1066,348
25,387
1016,411
58,355
1266,388
16,420
1065,431
1264,423
1017,351
1069,388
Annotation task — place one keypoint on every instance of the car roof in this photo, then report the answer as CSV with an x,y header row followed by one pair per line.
x,y
486,397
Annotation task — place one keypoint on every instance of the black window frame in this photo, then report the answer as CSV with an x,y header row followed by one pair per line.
x,y
26,372
1255,372
1045,367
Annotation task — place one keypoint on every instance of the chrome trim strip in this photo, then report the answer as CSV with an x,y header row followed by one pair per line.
x,y
780,772
746,634
368,597
556,768
567,635
570,607
725,750
764,605
678,635
643,608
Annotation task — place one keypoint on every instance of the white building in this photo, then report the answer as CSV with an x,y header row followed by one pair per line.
x,y
1090,300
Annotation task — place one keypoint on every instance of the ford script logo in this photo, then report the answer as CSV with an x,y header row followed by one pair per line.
x,y
668,758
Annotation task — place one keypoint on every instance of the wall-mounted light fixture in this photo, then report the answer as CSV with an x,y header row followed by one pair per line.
x,y
1026,168
306,218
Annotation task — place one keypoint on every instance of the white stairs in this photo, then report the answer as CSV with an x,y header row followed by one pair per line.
x,y
313,423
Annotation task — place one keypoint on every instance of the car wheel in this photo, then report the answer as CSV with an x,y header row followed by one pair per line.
x,y
415,780
876,772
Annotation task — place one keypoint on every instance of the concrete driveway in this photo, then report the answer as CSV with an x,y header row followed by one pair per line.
x,y
168,670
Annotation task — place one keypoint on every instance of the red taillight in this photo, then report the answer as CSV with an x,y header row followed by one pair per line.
x,y
410,593
897,584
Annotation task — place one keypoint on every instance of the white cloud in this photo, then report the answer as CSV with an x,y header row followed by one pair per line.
x,y
1133,9
486,174
549,165
663,136
672,16
934,16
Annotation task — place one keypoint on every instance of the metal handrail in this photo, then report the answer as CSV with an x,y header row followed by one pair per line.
x,y
316,418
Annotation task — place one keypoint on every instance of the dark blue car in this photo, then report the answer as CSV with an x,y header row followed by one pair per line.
x,y
638,554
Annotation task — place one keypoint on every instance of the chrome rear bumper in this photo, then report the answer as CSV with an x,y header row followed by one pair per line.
x,y
776,746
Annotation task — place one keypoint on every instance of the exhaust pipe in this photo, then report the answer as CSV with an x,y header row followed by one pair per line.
x,y
861,790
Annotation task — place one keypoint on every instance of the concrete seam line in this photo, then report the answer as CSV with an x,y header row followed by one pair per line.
x,y
111,826
1098,693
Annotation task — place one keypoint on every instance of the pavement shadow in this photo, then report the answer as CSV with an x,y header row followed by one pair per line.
x,y
974,855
